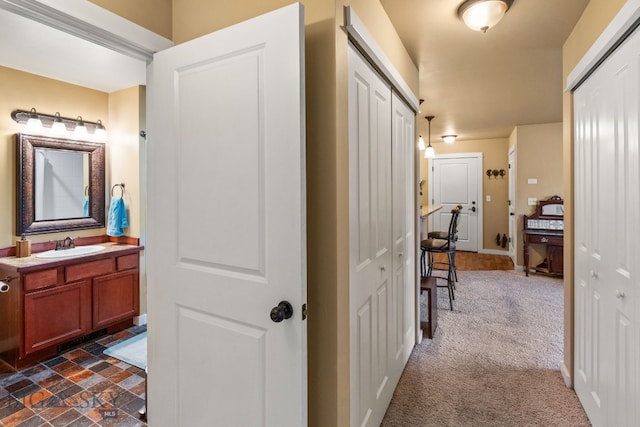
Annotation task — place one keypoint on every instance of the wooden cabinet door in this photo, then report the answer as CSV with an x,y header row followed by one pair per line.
x,y
56,315
115,298
556,259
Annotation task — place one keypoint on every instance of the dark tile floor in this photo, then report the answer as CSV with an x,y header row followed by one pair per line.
x,y
80,388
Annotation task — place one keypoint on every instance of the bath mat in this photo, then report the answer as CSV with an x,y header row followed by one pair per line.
x,y
133,351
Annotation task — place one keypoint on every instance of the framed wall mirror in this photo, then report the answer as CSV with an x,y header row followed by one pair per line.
x,y
59,184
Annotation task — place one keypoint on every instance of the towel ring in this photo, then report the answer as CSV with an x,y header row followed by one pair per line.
x,y
86,190
121,189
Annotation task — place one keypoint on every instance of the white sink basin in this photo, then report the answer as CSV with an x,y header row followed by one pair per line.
x,y
78,250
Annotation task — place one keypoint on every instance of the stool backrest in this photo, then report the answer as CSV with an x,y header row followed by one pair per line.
x,y
453,225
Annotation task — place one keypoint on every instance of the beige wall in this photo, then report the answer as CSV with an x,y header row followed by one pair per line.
x,y
154,15
22,90
594,20
127,118
538,156
495,156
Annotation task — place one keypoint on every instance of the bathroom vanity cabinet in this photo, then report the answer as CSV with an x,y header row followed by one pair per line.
x,y
52,302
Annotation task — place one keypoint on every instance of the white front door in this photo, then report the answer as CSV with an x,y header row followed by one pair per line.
x,y
226,227
457,180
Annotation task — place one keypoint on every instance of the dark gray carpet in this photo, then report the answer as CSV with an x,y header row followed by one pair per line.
x,y
494,360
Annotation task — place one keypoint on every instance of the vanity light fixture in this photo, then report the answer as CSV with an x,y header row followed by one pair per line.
x,y
421,145
480,15
429,152
34,124
100,133
58,125
81,129
449,139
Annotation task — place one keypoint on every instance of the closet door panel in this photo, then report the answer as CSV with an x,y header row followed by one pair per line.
x,y
370,265
607,206
404,214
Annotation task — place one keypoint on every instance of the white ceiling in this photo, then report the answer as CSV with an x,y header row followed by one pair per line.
x,y
29,46
476,85
482,85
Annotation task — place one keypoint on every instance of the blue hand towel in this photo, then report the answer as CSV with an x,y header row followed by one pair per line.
x,y
117,217
85,207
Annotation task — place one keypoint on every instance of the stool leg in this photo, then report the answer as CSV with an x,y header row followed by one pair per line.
x,y
423,263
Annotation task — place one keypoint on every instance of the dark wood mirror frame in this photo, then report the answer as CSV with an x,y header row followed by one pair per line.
x,y
25,209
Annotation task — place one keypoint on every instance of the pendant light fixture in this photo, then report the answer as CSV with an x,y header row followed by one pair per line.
x,y
480,15
429,152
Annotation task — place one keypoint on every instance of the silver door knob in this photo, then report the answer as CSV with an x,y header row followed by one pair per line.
x,y
619,294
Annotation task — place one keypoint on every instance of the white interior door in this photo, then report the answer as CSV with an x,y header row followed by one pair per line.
x,y
226,227
454,180
512,204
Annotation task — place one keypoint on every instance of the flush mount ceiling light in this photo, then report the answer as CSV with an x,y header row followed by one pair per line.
x,y
449,138
480,15
429,152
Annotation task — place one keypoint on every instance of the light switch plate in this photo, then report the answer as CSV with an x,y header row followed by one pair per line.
x,y
532,181
531,201
488,198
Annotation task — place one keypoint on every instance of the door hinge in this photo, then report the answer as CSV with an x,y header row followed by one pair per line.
x,y
432,169
304,311
509,165
509,239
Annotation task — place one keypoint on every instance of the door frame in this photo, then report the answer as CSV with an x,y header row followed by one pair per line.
x,y
480,191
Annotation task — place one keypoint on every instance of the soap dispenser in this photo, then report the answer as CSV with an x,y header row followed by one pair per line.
x,y
23,247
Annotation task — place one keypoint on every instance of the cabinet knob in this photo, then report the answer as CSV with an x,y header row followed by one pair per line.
x,y
594,274
619,294
383,268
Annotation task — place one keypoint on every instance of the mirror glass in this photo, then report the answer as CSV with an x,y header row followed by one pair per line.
x,y
60,184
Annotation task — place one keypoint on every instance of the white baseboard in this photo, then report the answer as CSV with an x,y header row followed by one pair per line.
x,y
140,320
519,268
493,252
565,375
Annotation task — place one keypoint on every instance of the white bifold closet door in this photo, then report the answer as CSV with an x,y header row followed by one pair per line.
x,y
381,240
607,212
